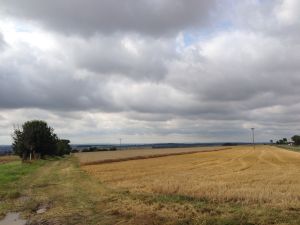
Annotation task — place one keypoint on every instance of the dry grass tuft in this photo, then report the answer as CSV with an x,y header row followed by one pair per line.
x,y
8,158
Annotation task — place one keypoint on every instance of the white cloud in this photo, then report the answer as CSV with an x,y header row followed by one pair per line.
x,y
287,12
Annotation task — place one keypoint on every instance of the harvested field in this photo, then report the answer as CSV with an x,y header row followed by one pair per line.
x,y
267,175
90,158
241,186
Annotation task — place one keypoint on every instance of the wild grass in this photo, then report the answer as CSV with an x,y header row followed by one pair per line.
x,y
11,180
13,171
8,158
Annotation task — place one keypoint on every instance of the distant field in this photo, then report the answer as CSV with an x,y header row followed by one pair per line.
x,y
263,175
87,158
9,158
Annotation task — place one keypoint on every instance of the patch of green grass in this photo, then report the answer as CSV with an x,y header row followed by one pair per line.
x,y
13,171
12,177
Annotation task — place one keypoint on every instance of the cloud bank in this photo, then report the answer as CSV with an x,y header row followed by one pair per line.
x,y
151,71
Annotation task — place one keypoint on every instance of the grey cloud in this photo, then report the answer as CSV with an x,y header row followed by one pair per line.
x,y
148,116
2,42
227,96
121,83
256,66
278,17
28,81
158,17
130,56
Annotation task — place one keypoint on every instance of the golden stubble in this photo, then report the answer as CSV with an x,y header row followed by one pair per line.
x,y
90,158
242,174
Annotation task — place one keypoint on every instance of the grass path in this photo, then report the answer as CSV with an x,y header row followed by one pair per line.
x,y
60,186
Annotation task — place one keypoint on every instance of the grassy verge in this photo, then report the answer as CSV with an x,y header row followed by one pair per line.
x,y
59,186
291,148
72,197
12,176
13,171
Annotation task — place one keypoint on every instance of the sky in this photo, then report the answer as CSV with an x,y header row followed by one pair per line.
x,y
150,71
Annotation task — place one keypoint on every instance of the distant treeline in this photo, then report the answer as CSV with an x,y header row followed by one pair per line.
x,y
230,144
6,152
86,148
183,145
295,140
94,149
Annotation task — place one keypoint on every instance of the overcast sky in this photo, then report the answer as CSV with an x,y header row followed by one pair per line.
x,y
151,70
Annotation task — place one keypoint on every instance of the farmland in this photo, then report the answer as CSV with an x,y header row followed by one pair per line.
x,y
124,155
236,186
263,175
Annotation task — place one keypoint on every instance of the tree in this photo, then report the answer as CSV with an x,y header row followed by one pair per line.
x,y
18,145
296,139
283,141
63,147
35,139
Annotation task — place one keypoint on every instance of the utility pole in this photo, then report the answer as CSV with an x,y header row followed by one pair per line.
x,y
253,142
120,143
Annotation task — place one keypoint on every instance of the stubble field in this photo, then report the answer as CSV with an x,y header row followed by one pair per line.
x,y
264,175
90,158
237,186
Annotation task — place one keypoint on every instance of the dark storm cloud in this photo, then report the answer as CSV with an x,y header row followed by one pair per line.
x,y
151,17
